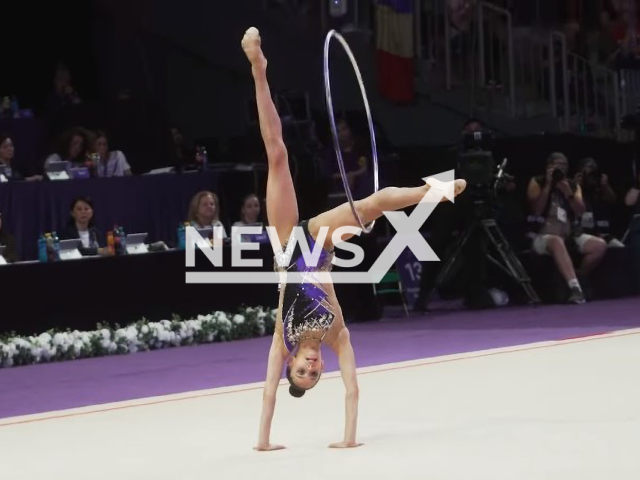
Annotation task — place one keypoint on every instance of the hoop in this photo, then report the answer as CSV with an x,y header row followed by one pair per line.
x,y
334,129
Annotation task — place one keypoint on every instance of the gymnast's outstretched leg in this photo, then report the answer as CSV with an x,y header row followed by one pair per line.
x,y
282,205
371,208
282,212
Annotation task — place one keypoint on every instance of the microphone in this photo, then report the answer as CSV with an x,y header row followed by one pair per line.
x,y
502,167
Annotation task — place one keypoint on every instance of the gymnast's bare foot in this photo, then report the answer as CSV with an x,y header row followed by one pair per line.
x,y
251,44
459,187
447,188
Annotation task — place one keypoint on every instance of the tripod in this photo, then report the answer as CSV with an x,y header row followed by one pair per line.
x,y
507,260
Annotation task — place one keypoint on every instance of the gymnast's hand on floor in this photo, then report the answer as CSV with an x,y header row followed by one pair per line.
x,y
268,448
251,44
346,445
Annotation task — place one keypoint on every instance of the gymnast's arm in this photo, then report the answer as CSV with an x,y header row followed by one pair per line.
x,y
347,361
274,371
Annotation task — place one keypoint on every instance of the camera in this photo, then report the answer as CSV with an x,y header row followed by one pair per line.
x,y
475,162
479,140
558,175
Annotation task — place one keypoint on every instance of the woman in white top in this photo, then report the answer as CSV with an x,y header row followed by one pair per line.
x,y
204,212
109,163
249,212
81,225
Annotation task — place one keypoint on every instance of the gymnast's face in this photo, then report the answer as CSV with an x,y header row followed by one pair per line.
x,y
306,367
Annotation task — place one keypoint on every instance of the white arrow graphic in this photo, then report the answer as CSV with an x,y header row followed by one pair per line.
x,y
407,235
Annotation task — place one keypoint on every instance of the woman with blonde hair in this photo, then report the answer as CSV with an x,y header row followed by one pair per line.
x,y
204,212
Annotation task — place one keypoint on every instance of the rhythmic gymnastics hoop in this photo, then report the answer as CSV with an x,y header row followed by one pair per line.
x,y
334,130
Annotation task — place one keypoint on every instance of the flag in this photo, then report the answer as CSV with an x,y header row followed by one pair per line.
x,y
395,49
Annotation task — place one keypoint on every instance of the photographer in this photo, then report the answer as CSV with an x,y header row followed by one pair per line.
x,y
555,203
598,198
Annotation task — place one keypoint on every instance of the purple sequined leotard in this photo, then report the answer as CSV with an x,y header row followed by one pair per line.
x,y
305,306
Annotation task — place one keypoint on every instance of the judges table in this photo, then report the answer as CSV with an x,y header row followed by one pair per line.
x,y
77,294
152,204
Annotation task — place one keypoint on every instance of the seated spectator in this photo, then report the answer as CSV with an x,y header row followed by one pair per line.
x,y
249,212
108,163
183,155
7,109
354,156
599,199
6,240
81,225
72,147
13,172
204,212
555,203
633,195
63,94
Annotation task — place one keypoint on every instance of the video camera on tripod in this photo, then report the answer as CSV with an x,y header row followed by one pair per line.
x,y
484,180
477,166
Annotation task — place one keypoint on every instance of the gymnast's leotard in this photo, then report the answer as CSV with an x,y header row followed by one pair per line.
x,y
304,307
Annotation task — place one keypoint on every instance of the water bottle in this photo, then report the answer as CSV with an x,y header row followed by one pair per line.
x,y
186,225
202,153
42,249
117,240
205,159
56,246
50,249
123,241
182,237
111,243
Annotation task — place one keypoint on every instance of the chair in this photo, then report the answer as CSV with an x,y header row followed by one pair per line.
x,y
391,284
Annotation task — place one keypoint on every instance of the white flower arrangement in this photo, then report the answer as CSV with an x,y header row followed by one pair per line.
x,y
141,336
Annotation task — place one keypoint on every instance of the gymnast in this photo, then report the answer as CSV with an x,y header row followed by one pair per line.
x,y
309,314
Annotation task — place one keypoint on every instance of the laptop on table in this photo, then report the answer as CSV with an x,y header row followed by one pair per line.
x,y
135,243
58,170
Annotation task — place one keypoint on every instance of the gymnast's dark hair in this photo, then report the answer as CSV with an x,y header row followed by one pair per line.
x,y
294,390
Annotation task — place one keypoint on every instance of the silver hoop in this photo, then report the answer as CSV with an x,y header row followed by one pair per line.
x,y
334,130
